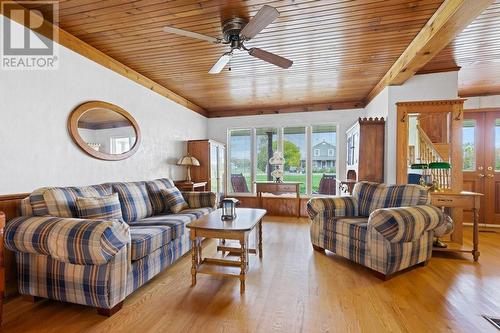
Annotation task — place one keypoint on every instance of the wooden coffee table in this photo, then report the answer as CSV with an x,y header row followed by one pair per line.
x,y
212,226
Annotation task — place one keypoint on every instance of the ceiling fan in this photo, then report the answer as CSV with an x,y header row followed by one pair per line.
x,y
236,31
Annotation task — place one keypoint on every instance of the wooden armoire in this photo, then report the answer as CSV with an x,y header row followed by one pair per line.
x,y
212,169
366,150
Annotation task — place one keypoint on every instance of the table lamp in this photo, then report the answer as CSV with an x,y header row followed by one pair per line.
x,y
188,161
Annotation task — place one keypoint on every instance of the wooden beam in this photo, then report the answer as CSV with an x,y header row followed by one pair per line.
x,y
77,45
447,22
286,109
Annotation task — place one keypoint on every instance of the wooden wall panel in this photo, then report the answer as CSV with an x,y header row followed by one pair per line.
x,y
340,49
475,51
9,204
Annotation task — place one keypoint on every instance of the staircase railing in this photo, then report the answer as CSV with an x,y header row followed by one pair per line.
x,y
427,150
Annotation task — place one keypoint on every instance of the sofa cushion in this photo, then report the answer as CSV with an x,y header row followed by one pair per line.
x,y
147,239
372,196
353,227
176,221
105,208
174,200
61,201
134,201
154,188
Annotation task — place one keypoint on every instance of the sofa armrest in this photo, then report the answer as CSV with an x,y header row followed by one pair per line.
x,y
332,207
200,199
405,224
75,241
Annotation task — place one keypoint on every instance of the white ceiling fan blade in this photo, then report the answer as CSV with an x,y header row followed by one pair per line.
x,y
191,34
270,58
265,16
221,63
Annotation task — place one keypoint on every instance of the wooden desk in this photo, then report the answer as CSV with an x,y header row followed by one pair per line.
x,y
190,186
278,189
461,200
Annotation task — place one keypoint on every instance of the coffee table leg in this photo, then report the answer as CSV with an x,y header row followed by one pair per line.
x,y
194,259
260,239
243,265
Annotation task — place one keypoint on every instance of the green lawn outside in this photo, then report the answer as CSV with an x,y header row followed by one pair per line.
x,y
316,177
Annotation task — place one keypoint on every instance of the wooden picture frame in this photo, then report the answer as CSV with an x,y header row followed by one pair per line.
x,y
73,130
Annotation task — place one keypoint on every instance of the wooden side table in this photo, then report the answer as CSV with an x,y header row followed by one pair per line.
x,y
279,188
2,268
462,200
239,229
184,185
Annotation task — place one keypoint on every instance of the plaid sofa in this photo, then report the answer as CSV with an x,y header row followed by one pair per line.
x,y
384,227
96,262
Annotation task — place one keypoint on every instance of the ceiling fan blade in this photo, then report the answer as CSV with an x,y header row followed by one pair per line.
x,y
192,34
270,58
221,63
265,16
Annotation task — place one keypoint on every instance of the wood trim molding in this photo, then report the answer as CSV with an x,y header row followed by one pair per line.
x,y
77,45
438,70
432,102
447,22
497,109
286,109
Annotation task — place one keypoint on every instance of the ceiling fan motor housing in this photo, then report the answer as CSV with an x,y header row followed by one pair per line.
x,y
231,29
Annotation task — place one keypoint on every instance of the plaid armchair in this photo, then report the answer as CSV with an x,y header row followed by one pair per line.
x,y
384,227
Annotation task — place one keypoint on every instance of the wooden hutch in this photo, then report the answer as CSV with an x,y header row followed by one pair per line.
x,y
366,138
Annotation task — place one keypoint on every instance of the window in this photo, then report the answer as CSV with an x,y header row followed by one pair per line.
x,y
497,145
323,139
295,154
309,152
120,145
240,160
267,144
468,144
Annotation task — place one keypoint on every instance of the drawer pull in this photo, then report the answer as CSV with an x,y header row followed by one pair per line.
x,y
445,200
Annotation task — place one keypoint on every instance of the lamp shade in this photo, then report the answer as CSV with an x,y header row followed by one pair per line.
x,y
188,160
439,165
419,166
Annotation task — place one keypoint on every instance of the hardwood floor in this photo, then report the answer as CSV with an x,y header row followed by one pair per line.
x,y
294,289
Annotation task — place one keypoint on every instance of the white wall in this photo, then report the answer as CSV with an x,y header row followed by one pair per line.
x,y
481,102
217,127
36,149
379,106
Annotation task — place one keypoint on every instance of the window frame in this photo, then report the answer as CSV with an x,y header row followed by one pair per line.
x,y
280,137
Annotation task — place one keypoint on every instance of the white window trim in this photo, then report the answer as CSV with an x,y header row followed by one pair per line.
x,y
280,138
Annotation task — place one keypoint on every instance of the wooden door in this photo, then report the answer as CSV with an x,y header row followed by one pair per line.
x,y
473,158
482,162
492,167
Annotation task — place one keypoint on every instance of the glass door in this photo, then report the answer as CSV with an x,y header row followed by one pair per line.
x,y
481,169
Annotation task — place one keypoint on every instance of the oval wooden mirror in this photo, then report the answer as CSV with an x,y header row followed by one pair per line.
x,y
104,131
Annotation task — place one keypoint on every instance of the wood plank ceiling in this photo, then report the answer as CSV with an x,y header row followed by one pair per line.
x,y
341,49
477,51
